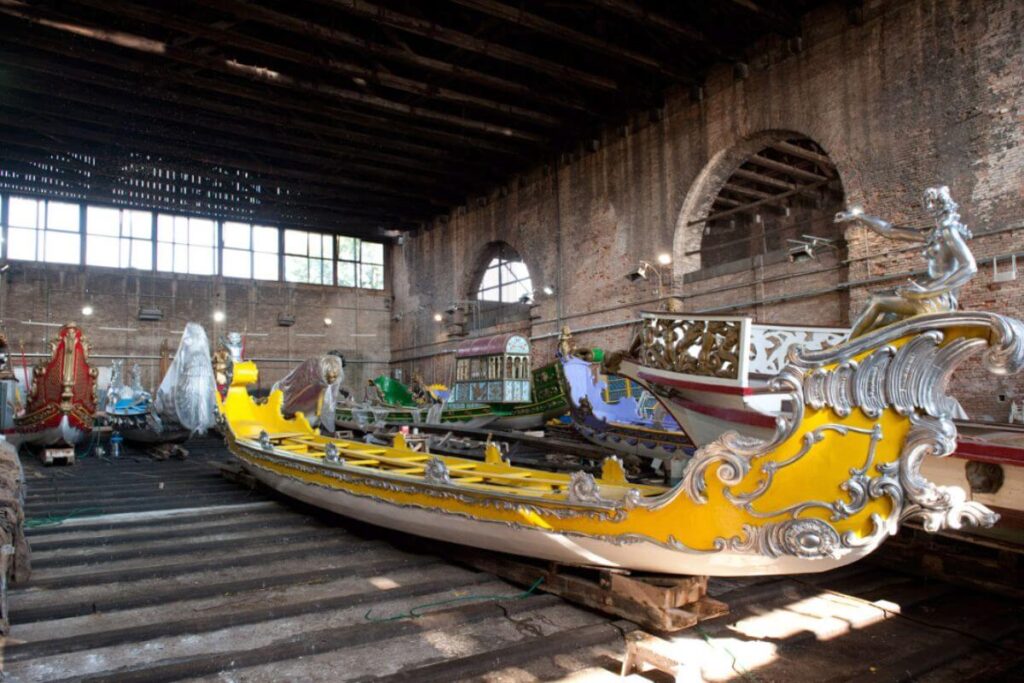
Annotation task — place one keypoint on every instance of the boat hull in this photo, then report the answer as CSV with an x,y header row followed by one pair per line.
x,y
64,434
581,550
836,480
622,426
705,408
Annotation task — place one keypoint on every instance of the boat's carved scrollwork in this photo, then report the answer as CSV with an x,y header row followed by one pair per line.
x,y
937,507
436,472
583,488
770,346
904,367
707,348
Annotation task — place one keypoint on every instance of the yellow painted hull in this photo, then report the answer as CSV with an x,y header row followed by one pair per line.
x,y
676,535
826,492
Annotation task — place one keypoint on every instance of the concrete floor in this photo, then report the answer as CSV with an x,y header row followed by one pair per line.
x,y
165,571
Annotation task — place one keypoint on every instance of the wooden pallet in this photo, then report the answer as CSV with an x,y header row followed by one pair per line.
x,y
659,602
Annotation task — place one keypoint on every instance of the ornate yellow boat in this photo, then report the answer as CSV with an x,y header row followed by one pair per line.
x,y
839,475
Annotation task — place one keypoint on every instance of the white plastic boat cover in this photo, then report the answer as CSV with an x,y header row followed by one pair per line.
x,y
312,389
186,394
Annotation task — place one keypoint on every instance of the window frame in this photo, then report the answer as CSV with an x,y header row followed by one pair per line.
x,y
41,229
500,262
251,251
188,245
328,260
121,237
358,262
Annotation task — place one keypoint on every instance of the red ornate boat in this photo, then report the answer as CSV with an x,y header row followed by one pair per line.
x,y
62,399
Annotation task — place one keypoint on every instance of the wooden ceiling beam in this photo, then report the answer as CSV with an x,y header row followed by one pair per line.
x,y
784,24
250,11
137,144
333,219
109,165
426,28
17,83
803,153
788,169
748,191
259,74
520,17
763,179
351,71
194,107
774,199
153,80
133,128
633,11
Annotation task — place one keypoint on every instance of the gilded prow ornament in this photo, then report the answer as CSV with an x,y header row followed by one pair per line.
x,y
950,263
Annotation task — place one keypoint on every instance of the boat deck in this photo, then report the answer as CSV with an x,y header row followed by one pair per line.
x,y
165,571
491,477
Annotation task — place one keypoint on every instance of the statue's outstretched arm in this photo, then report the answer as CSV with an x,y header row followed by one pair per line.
x,y
880,225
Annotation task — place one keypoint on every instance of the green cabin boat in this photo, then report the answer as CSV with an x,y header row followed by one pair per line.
x,y
494,386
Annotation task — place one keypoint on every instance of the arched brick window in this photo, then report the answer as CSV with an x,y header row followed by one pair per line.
x,y
505,279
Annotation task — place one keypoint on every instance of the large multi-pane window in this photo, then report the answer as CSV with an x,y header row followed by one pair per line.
x,y
308,257
52,231
186,245
250,251
118,238
43,230
506,279
360,264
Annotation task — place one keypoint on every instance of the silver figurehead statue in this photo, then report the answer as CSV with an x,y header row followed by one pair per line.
x,y
950,263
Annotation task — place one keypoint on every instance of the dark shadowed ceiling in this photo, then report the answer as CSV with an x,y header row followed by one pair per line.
x,y
351,116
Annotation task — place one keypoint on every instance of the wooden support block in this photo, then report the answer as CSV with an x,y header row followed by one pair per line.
x,y
236,473
643,648
57,456
660,603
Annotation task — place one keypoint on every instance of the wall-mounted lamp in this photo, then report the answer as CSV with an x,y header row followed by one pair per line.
x,y
87,310
438,317
548,290
218,316
328,322
808,247
643,271
665,258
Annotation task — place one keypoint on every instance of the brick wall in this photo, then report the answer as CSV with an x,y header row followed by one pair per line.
x,y
32,293
917,93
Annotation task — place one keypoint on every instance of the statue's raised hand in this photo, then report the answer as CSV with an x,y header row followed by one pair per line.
x,y
847,216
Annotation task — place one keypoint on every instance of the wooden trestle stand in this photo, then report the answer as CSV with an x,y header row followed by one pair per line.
x,y
656,602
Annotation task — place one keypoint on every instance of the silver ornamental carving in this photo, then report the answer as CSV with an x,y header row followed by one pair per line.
x,y
436,471
912,380
770,345
331,453
265,443
583,488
